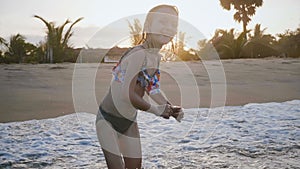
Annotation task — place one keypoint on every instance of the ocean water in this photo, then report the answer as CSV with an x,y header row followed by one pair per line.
x,y
259,136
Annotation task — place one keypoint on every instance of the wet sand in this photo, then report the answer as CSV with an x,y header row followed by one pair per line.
x,y
45,90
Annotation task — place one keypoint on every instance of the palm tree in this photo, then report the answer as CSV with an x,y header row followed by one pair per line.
x,y
16,48
289,43
56,41
206,50
227,45
2,43
244,10
180,44
260,40
175,49
135,32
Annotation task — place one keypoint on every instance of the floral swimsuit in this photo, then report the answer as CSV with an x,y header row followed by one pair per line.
x,y
150,83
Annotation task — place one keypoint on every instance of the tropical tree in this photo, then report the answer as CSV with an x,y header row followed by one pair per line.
x,y
18,49
172,51
206,50
2,41
168,51
57,42
244,10
135,32
175,49
2,44
260,44
37,54
180,44
228,44
289,43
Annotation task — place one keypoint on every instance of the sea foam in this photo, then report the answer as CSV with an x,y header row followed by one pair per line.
x,y
251,136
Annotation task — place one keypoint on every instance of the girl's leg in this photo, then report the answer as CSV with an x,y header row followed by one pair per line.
x,y
108,140
130,146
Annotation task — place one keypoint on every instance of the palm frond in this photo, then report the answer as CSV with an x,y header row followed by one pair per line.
x,y
226,4
68,34
48,24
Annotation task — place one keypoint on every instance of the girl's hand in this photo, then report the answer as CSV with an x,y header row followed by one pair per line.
x,y
164,110
177,113
168,111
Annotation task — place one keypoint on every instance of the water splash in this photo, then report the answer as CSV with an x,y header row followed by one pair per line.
x,y
251,136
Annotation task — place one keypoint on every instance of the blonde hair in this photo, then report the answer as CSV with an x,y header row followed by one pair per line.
x,y
150,17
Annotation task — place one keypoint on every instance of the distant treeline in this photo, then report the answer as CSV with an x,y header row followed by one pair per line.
x,y
231,45
225,44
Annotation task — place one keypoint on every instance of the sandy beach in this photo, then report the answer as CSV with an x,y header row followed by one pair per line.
x,y
45,90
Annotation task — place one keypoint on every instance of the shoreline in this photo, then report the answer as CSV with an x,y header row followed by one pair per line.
x,y
39,91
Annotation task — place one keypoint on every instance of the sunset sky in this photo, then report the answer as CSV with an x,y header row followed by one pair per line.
x,y
205,15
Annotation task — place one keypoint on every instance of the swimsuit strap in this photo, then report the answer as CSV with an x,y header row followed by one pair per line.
x,y
130,49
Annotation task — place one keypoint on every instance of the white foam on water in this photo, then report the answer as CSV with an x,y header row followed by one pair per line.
x,y
251,136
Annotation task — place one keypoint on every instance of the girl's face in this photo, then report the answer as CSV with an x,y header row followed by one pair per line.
x,y
163,26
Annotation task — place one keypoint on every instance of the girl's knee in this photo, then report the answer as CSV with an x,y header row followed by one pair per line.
x,y
133,163
113,161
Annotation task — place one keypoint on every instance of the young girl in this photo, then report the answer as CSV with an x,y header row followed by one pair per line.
x,y
136,73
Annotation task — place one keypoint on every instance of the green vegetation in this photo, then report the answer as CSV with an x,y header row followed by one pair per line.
x,y
289,43
54,50
57,43
229,44
233,45
135,32
17,50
